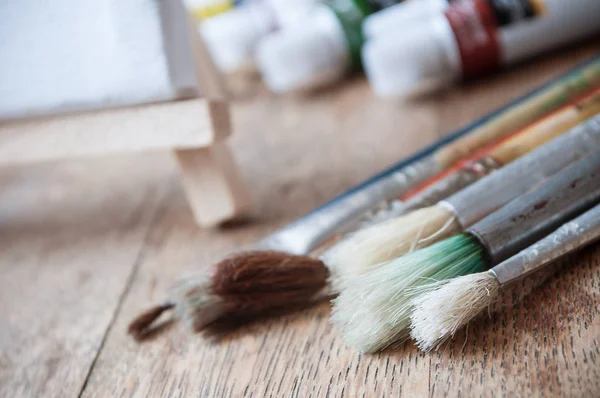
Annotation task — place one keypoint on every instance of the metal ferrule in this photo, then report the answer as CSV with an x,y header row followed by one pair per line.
x,y
307,233
533,215
439,190
572,236
337,216
494,191
453,183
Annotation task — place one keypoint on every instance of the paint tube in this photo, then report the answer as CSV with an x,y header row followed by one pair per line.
x,y
204,9
473,38
318,50
401,14
232,36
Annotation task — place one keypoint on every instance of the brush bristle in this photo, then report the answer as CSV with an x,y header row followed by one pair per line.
x,y
373,310
268,272
442,308
388,240
142,324
195,301
249,284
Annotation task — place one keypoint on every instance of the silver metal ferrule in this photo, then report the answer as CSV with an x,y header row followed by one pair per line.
x,y
572,236
305,234
494,191
533,215
452,183
439,190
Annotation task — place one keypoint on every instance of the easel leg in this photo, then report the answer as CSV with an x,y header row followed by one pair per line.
x,y
212,183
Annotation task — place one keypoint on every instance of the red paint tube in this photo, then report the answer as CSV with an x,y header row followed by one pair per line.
x,y
472,38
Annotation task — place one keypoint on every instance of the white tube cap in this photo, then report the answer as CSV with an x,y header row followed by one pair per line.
x,y
309,53
232,37
397,16
287,12
396,64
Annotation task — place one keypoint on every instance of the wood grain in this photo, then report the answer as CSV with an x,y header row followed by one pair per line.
x,y
70,236
296,152
543,344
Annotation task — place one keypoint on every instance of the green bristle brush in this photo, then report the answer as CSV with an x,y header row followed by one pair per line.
x,y
373,311
442,308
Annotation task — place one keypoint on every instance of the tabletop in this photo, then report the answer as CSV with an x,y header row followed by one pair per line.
x,y
86,244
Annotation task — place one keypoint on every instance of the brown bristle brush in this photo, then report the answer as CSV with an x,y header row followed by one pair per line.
x,y
279,274
243,286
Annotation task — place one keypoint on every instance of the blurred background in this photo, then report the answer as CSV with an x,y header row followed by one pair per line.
x,y
348,81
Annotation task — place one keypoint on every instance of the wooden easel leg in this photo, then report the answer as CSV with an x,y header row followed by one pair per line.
x,y
212,183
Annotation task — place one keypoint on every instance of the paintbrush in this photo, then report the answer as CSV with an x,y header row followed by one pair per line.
x,y
307,233
199,299
442,308
472,168
373,311
387,240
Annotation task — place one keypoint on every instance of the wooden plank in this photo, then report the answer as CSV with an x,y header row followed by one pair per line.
x,y
210,80
544,344
70,238
213,184
181,124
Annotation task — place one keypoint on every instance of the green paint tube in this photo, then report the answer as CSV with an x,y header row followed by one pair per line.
x,y
319,50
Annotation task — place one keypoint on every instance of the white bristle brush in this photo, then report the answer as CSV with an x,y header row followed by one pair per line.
x,y
423,227
373,311
442,308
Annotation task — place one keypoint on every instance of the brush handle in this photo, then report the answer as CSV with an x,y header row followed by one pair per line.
x,y
513,148
546,129
503,153
441,189
494,191
531,216
572,236
321,224
515,118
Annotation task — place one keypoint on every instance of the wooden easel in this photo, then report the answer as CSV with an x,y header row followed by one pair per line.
x,y
194,130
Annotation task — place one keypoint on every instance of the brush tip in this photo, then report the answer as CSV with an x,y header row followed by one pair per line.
x,y
249,284
361,250
373,311
442,308
268,270
141,325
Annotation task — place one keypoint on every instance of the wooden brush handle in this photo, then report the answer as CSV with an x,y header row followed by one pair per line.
x,y
495,190
546,129
572,236
515,118
529,139
533,215
526,141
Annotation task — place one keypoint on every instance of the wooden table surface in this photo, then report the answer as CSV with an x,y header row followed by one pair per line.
x,y
85,245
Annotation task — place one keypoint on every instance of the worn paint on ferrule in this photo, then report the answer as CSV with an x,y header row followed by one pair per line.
x,y
570,237
453,183
533,215
492,192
